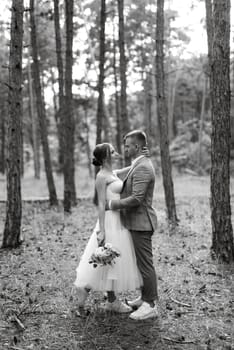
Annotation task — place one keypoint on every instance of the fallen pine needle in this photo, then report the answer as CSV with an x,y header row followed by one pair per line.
x,y
207,301
20,324
180,303
179,341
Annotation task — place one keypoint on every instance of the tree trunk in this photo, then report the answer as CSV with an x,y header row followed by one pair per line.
x,y
154,132
171,103
69,129
100,106
12,229
222,232
147,107
3,141
117,109
61,114
41,109
202,115
88,151
123,79
36,143
162,116
22,153
55,104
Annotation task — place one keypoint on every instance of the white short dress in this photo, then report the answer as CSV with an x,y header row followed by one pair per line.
x,y
123,275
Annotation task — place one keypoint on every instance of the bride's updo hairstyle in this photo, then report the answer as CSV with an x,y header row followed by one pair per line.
x,y
100,153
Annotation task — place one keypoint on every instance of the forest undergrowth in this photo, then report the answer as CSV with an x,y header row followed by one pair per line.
x,y
38,303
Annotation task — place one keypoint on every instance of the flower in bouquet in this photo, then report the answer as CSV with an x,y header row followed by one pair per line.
x,y
104,255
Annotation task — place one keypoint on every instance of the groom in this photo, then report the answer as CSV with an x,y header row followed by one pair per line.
x,y
139,218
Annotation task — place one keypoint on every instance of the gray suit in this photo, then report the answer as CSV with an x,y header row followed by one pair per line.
x,y
140,218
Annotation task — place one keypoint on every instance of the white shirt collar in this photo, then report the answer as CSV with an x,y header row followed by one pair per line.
x,y
136,159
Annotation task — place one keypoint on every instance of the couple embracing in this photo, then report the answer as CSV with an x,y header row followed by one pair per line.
x,y
126,221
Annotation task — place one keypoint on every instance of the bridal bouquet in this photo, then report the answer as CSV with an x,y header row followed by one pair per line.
x,y
104,256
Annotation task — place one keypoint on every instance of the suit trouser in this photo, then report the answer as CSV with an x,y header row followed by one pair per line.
x,y
142,241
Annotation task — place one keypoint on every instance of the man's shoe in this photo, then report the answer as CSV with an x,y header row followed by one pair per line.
x,y
117,306
136,303
144,312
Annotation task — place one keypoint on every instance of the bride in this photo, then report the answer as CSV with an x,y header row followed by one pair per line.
x,y
123,275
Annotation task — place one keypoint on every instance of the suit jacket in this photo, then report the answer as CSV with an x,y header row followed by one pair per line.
x,y
137,212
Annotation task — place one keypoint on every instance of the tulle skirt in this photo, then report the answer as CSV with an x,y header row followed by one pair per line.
x,y
119,277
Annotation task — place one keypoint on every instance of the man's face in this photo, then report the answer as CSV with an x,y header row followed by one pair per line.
x,y
130,147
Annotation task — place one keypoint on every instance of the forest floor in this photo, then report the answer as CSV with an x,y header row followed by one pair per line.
x,y
38,303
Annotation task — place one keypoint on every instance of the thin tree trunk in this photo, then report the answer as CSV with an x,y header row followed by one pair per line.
x,y
154,132
123,79
55,104
3,141
154,98
169,81
171,104
117,107
22,152
88,151
210,33
147,107
36,143
222,231
202,115
162,116
68,142
100,106
41,109
12,229
61,114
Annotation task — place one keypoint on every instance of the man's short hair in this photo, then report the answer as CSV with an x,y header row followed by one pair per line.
x,y
137,135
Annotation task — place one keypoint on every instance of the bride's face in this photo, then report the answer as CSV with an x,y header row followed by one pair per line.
x,y
113,154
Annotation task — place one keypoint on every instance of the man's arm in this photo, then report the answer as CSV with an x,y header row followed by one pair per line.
x,y
141,178
121,173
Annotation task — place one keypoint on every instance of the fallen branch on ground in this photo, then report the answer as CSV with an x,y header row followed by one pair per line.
x,y
180,303
180,341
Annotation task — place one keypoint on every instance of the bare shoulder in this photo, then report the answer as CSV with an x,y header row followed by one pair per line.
x,y
103,178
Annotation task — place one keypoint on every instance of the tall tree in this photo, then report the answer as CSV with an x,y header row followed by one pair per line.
x,y
4,57
33,117
41,112
60,114
102,49
69,123
219,62
3,140
162,116
11,234
123,79
100,103
117,109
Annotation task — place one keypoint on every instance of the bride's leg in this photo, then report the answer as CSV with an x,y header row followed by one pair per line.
x,y
82,296
115,305
111,297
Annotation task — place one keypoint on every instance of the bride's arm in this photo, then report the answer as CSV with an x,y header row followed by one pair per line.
x,y
101,193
